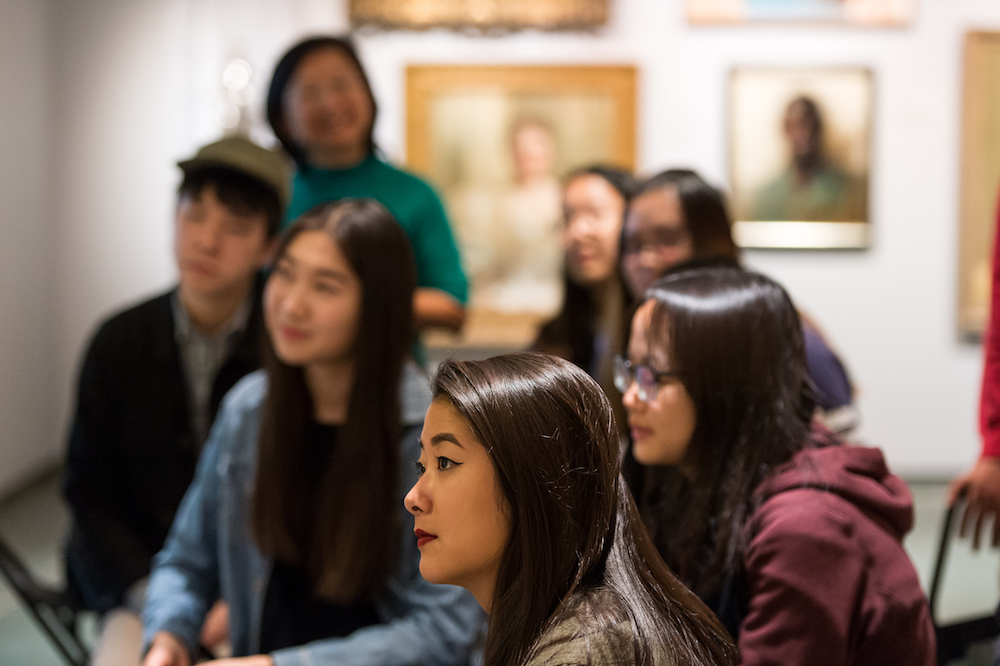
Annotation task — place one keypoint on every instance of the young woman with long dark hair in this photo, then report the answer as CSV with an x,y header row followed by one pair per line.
x,y
791,537
678,218
674,217
590,328
293,516
321,107
521,501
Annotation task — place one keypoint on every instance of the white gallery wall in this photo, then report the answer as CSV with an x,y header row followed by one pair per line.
x,y
119,90
28,407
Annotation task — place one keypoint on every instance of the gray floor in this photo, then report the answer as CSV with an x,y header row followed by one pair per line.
x,y
34,522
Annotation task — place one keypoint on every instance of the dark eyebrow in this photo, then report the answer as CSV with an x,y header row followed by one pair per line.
x,y
446,437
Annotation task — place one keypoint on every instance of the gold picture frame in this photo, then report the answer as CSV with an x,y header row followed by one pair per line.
x,y
480,14
980,180
800,156
471,131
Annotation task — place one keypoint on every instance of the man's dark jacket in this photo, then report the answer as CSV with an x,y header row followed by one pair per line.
x,y
132,451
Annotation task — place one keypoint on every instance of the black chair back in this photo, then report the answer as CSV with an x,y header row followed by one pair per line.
x,y
55,611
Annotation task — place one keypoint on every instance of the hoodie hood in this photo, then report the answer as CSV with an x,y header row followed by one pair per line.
x,y
857,474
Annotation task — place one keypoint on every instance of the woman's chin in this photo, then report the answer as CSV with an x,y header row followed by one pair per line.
x,y
291,358
429,574
645,454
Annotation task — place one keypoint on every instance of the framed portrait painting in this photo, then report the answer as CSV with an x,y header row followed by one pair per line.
x,y
980,179
870,13
799,155
496,141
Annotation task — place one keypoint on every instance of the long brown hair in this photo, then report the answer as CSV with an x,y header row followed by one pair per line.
x,y
346,540
735,340
551,435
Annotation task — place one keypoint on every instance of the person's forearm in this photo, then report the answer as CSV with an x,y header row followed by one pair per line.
x,y
433,307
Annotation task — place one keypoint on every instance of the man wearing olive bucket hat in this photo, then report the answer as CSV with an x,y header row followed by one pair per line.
x,y
152,379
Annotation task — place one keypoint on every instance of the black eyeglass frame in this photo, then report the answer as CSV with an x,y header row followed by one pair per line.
x,y
648,379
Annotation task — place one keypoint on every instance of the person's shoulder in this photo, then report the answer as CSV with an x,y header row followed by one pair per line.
x,y
567,643
577,640
248,393
799,508
804,520
570,644
235,430
137,323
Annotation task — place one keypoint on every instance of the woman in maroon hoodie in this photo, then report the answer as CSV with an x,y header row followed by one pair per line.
x,y
791,537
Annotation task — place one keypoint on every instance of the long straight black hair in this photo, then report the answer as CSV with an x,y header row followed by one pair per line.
x,y
551,435
571,332
346,541
735,340
284,71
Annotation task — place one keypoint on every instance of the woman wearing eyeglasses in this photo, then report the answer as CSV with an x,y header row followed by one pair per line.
x,y
793,539
676,216
679,218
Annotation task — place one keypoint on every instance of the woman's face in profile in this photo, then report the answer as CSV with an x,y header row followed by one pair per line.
x,y
656,237
312,302
592,221
326,105
661,425
461,521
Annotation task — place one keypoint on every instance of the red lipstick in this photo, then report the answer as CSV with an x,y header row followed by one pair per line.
x,y
423,537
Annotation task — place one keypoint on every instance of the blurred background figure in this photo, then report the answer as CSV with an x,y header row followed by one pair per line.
x,y
677,217
320,106
294,518
812,188
981,485
153,379
590,328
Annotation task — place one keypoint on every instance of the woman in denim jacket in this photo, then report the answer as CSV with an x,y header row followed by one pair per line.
x,y
293,517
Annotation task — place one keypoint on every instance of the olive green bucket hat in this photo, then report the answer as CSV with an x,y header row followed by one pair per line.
x,y
243,155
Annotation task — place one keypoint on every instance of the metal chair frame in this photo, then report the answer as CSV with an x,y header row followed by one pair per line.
x,y
54,611
954,638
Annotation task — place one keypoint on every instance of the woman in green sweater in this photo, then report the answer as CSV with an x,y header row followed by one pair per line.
x,y
320,106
